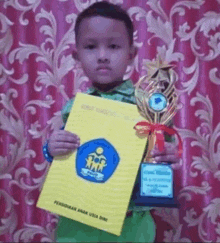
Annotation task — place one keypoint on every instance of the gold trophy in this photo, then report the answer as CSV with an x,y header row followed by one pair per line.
x,y
156,100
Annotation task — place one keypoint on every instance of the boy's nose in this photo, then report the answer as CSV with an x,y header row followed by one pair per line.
x,y
103,55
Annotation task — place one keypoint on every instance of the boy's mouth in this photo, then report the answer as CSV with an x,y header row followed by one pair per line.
x,y
103,69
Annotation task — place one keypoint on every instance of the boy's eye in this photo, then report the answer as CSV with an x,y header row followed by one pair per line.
x,y
113,46
90,47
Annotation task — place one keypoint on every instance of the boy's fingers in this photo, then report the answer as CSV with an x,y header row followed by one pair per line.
x,y
67,133
66,145
164,153
61,152
63,132
155,152
167,158
169,148
67,138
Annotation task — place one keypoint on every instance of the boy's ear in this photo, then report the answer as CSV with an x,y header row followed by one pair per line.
x,y
133,54
75,55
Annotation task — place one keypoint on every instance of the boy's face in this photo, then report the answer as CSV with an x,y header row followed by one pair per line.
x,y
104,51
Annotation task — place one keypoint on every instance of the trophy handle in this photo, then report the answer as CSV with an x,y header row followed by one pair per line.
x,y
151,140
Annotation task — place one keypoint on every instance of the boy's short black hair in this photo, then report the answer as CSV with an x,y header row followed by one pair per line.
x,y
108,10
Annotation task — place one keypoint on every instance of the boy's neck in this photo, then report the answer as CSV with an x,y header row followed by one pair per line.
x,y
107,87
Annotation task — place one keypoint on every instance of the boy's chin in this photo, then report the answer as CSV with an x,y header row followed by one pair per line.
x,y
106,86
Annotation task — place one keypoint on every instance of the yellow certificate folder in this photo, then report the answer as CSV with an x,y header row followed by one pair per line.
x,y
94,184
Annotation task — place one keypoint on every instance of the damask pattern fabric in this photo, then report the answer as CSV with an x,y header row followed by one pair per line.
x,y
38,76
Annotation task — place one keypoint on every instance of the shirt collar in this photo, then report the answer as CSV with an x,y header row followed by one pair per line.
x,y
126,88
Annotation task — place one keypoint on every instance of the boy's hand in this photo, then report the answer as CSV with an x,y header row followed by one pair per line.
x,y
169,154
63,142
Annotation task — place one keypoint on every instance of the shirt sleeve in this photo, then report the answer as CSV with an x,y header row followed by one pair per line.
x,y
66,110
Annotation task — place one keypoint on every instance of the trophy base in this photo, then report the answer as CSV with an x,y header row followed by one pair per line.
x,y
142,201
154,187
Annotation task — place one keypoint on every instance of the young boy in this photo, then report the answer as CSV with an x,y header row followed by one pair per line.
x,y
104,47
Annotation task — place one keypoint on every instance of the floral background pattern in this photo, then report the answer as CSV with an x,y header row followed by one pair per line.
x,y
38,75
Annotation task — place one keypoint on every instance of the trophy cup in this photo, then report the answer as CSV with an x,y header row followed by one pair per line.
x,y
157,102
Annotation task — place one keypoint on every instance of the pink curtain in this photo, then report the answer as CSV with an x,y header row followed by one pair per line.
x,y
38,75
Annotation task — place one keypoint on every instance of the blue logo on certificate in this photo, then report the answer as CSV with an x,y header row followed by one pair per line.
x,y
96,160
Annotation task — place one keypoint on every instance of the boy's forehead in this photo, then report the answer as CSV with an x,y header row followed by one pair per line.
x,y
98,27
107,37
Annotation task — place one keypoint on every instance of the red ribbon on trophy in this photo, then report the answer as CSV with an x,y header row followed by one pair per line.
x,y
156,130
